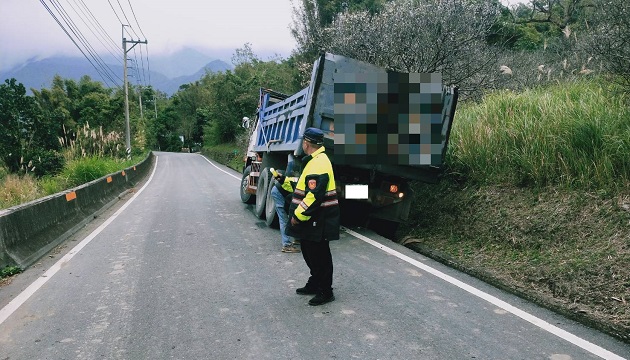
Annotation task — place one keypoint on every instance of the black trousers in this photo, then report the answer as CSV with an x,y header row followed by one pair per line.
x,y
319,260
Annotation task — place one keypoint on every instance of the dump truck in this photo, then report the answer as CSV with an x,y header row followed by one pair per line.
x,y
392,128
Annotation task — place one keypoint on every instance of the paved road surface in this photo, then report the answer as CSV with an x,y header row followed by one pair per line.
x,y
184,270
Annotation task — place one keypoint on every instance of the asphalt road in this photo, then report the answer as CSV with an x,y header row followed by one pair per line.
x,y
184,270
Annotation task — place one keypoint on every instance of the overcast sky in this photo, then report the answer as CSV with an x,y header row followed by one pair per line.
x,y
27,30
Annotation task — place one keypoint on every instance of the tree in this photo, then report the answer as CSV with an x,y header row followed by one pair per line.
x,y
446,36
234,94
162,132
311,17
611,40
26,135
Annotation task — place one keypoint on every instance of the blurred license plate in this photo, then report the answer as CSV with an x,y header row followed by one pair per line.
x,y
357,192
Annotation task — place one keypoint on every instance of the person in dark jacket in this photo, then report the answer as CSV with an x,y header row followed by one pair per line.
x,y
283,187
314,217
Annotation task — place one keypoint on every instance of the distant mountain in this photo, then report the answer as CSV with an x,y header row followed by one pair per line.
x,y
181,63
39,74
172,85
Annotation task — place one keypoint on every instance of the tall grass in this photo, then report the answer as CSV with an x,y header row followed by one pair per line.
x,y
17,189
573,134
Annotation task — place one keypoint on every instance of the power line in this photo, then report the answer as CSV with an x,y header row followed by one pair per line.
x,y
115,13
135,56
148,65
79,35
135,18
144,75
74,41
75,29
128,22
100,26
91,28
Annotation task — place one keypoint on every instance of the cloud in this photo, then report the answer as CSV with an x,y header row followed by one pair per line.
x,y
28,30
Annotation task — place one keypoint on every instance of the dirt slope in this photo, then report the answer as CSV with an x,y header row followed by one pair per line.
x,y
567,250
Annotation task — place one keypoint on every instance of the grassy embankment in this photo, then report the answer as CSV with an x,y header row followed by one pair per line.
x,y
537,200
227,154
18,189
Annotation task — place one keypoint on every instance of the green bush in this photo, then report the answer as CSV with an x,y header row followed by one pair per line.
x,y
3,172
226,154
84,170
574,134
9,271
45,162
51,185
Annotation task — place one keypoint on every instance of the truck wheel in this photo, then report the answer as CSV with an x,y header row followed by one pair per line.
x,y
261,192
271,217
385,228
246,198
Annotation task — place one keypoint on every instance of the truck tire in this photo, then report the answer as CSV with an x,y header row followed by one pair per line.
x,y
261,192
246,197
271,217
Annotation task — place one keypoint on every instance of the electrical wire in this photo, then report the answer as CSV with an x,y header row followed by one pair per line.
x,y
115,13
72,39
128,22
56,9
116,45
141,55
144,75
135,18
148,64
91,27
79,35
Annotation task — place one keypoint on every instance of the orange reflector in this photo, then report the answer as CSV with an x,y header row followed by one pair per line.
x,y
109,179
393,189
71,196
123,173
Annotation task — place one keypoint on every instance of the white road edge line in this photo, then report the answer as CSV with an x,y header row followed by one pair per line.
x,y
218,168
563,334
12,306
588,346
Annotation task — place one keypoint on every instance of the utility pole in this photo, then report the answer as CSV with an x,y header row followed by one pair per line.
x,y
125,51
155,106
140,101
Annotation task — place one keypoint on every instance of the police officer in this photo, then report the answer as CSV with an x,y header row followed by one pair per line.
x,y
314,217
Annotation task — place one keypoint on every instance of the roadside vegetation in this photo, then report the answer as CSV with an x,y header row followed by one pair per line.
x,y
575,135
17,189
536,199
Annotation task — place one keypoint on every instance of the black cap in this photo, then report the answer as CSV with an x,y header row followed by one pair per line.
x,y
314,135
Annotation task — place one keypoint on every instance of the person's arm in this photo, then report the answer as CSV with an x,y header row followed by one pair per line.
x,y
316,186
286,183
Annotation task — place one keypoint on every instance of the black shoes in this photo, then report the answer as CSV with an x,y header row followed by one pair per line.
x,y
306,290
321,299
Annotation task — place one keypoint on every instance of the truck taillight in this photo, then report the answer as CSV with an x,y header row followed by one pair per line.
x,y
393,188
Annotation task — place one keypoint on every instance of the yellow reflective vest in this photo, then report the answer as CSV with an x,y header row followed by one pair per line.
x,y
314,203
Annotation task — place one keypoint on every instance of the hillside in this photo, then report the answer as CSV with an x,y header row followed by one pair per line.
x,y
536,200
38,74
564,249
